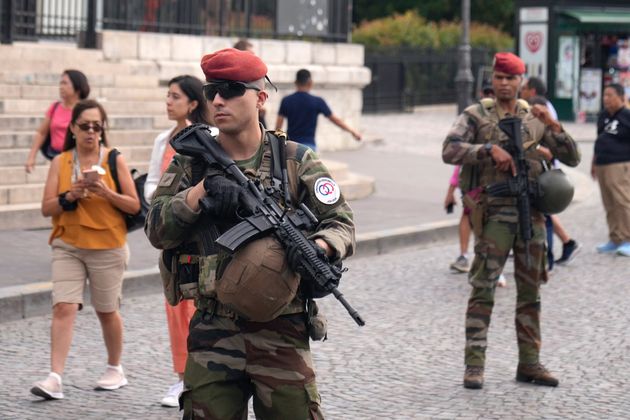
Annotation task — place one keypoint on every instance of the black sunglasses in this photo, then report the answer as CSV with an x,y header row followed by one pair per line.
x,y
227,89
86,127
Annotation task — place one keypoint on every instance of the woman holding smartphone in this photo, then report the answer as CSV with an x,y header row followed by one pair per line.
x,y
88,240
185,104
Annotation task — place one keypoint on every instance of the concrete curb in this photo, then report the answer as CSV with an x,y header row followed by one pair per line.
x,y
34,299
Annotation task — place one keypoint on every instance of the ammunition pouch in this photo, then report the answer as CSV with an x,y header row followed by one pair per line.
x,y
187,276
168,273
475,201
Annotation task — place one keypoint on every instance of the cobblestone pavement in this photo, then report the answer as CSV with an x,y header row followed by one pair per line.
x,y
407,362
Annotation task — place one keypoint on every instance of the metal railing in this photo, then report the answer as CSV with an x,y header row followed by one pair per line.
x,y
405,77
31,20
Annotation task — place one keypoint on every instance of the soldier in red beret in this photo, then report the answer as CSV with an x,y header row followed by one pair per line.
x,y
237,348
477,143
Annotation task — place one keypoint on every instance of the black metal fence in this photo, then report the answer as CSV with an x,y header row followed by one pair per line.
x,y
405,77
30,20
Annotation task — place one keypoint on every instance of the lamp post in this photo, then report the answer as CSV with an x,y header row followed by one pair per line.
x,y
464,78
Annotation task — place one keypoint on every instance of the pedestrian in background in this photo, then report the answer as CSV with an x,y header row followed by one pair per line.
x,y
88,240
301,110
477,143
185,105
461,264
570,247
535,86
73,87
611,167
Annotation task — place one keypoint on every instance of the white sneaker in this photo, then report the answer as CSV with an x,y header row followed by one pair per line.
x,y
112,379
50,388
502,282
171,399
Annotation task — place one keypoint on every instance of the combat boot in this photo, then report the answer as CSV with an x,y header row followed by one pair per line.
x,y
473,377
535,373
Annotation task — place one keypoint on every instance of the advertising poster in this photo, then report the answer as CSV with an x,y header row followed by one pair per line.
x,y
533,48
590,90
567,66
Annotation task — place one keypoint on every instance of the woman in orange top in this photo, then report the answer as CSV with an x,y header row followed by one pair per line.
x,y
88,240
185,104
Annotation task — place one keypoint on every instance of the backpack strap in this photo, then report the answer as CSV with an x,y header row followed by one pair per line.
x,y
113,169
270,165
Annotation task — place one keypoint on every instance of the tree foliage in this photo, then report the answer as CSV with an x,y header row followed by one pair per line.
x,y
499,14
412,30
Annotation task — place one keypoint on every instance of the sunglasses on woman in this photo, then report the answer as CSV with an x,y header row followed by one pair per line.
x,y
86,127
227,89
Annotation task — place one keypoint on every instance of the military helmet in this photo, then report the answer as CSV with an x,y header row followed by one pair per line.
x,y
555,192
257,283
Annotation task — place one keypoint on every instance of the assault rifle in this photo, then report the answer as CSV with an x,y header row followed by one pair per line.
x,y
519,185
267,216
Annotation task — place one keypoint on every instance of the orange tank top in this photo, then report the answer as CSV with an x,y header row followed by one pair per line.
x,y
95,224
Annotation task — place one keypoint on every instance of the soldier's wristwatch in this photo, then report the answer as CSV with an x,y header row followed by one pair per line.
x,y
488,148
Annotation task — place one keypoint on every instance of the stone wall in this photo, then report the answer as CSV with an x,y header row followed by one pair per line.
x,y
338,70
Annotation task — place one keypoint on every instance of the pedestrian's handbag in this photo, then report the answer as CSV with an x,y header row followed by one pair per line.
x,y
46,148
133,221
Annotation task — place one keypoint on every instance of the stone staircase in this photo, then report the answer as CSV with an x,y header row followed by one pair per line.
x,y
132,95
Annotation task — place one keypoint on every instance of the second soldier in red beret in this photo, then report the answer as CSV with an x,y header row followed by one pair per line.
x,y
235,354
479,145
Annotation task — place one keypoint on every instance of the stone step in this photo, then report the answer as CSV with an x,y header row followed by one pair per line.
x,y
16,139
128,107
116,78
49,92
32,192
21,193
17,157
14,175
14,123
23,216
356,186
118,138
92,69
338,170
23,139
24,51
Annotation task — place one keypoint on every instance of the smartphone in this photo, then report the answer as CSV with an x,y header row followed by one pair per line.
x,y
449,208
91,175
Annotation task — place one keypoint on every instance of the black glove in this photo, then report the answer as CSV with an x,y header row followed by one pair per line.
x,y
310,288
294,254
224,198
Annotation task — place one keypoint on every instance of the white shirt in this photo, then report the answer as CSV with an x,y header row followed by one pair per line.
x,y
552,111
155,164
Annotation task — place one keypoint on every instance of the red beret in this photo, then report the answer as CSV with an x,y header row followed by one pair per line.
x,y
232,64
509,63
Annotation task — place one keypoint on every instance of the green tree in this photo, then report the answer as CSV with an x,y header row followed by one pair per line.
x,y
492,12
412,30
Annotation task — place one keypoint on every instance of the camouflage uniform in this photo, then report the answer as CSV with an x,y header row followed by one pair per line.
x,y
498,231
230,358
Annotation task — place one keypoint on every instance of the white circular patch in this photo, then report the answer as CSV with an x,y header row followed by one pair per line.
x,y
327,191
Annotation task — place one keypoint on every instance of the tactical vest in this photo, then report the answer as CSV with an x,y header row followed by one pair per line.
x,y
486,118
190,271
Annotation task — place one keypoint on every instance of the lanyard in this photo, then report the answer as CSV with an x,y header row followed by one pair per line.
x,y
77,167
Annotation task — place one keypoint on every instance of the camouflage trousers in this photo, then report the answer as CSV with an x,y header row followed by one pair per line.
x,y
231,360
491,251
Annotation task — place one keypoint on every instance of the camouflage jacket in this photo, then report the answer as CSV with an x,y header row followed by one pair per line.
x,y
478,124
171,223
